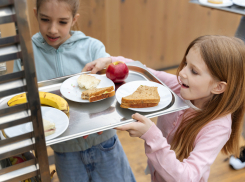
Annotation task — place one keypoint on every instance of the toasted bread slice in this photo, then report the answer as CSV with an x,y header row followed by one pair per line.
x,y
98,93
144,96
87,81
142,105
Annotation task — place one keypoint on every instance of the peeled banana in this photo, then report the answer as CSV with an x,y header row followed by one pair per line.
x,y
46,98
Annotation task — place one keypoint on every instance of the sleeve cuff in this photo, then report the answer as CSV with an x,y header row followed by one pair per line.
x,y
153,133
113,59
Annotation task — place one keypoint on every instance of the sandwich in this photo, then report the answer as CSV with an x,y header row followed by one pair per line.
x,y
49,128
95,94
144,96
87,81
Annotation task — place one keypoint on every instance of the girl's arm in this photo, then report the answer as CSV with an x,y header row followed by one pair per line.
x,y
100,58
17,65
169,79
208,144
98,50
100,63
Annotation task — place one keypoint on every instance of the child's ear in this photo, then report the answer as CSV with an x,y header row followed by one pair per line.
x,y
75,18
219,88
35,11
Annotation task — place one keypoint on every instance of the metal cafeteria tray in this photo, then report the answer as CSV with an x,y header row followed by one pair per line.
x,y
88,118
232,9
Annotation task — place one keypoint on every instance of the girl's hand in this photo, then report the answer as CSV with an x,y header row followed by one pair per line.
x,y
99,133
137,129
97,65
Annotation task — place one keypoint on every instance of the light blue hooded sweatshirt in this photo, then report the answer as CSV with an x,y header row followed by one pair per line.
x,y
70,58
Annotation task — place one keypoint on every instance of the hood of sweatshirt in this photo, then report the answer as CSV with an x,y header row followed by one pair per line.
x,y
40,42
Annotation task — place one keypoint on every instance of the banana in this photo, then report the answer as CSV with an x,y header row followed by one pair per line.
x,y
27,180
52,174
46,98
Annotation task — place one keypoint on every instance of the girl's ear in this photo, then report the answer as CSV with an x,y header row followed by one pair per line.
x,y
75,18
220,87
35,11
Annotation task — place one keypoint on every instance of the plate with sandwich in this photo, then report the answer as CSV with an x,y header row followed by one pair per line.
x,y
87,88
239,2
143,96
55,122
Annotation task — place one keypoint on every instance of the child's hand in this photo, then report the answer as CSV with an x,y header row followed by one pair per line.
x,y
137,129
97,65
99,133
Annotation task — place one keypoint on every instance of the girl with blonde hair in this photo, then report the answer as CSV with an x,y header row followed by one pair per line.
x,y
183,145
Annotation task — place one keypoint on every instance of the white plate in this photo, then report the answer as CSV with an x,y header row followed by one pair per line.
x,y
224,4
70,89
51,114
130,87
239,2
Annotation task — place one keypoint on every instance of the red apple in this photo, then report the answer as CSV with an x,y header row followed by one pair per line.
x,y
117,71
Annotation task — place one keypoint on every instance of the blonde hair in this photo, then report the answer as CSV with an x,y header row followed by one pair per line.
x,y
224,57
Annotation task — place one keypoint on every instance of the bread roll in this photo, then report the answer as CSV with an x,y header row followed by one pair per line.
x,y
87,81
49,128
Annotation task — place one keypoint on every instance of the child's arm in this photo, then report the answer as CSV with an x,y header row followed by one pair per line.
x,y
169,79
164,161
209,142
98,50
17,65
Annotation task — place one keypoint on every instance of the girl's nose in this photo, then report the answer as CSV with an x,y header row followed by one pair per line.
x,y
182,73
53,28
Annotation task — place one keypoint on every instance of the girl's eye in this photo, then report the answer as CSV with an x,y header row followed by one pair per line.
x,y
193,71
43,19
63,22
185,63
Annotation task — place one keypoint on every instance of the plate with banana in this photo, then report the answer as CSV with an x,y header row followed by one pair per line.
x,y
55,122
73,87
46,98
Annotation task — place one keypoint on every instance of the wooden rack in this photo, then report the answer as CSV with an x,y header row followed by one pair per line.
x,y
12,48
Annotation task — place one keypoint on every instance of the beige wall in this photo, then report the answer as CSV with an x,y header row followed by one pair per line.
x,y
153,32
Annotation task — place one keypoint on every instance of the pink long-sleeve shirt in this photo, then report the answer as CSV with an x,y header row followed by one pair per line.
x,y
162,161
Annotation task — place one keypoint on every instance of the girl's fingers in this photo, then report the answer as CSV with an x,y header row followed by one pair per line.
x,y
121,128
99,133
88,67
84,69
139,117
125,127
95,69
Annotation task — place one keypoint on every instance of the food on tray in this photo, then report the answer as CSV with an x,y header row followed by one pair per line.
x,y
144,96
117,71
46,98
87,81
49,128
16,160
95,94
216,1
